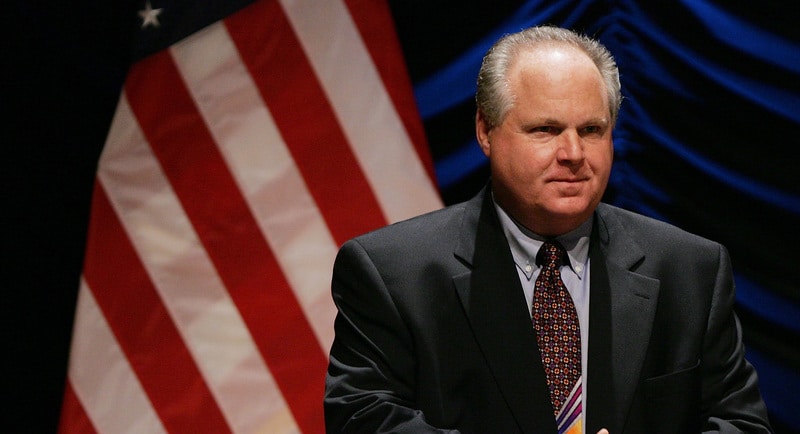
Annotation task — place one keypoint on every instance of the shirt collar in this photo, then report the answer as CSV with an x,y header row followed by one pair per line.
x,y
525,244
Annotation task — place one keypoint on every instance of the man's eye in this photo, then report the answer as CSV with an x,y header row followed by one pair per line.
x,y
543,129
592,129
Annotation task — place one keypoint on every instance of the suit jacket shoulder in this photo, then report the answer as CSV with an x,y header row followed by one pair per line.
x,y
647,231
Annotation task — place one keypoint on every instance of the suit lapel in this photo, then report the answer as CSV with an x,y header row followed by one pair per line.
x,y
622,309
495,306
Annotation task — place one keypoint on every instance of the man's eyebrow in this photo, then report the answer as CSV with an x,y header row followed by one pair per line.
x,y
551,121
597,121
542,121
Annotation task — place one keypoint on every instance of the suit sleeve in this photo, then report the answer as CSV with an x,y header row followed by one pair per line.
x,y
370,385
731,400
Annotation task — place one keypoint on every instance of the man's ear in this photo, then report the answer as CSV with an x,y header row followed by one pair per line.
x,y
482,133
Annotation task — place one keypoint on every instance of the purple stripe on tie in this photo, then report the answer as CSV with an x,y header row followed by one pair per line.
x,y
572,408
575,396
566,423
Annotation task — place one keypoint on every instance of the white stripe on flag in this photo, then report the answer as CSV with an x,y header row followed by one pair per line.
x,y
102,377
186,280
264,170
363,107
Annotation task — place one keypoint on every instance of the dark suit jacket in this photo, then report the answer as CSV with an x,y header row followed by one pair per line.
x,y
433,333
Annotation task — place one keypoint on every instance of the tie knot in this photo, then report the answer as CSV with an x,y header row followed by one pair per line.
x,y
551,254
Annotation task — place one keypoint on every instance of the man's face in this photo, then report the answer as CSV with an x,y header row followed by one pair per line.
x,y
551,156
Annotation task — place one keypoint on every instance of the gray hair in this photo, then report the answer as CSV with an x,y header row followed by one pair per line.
x,y
493,98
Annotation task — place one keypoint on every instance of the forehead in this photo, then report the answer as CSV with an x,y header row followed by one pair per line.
x,y
556,72
551,60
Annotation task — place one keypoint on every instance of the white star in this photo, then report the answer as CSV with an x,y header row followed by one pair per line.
x,y
150,15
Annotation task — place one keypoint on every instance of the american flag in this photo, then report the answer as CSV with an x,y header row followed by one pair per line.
x,y
244,150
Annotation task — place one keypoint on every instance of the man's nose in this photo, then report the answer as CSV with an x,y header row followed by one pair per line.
x,y
570,147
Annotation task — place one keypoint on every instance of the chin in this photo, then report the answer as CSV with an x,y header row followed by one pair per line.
x,y
571,207
573,213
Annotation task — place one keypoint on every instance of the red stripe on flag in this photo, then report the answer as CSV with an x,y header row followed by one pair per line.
x,y
74,419
374,21
230,234
307,122
142,326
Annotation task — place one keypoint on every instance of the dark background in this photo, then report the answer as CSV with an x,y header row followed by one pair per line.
x,y
707,139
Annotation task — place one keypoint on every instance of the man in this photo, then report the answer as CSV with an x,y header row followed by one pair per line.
x,y
447,322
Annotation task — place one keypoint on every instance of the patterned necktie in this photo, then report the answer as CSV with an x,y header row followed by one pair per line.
x,y
558,335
